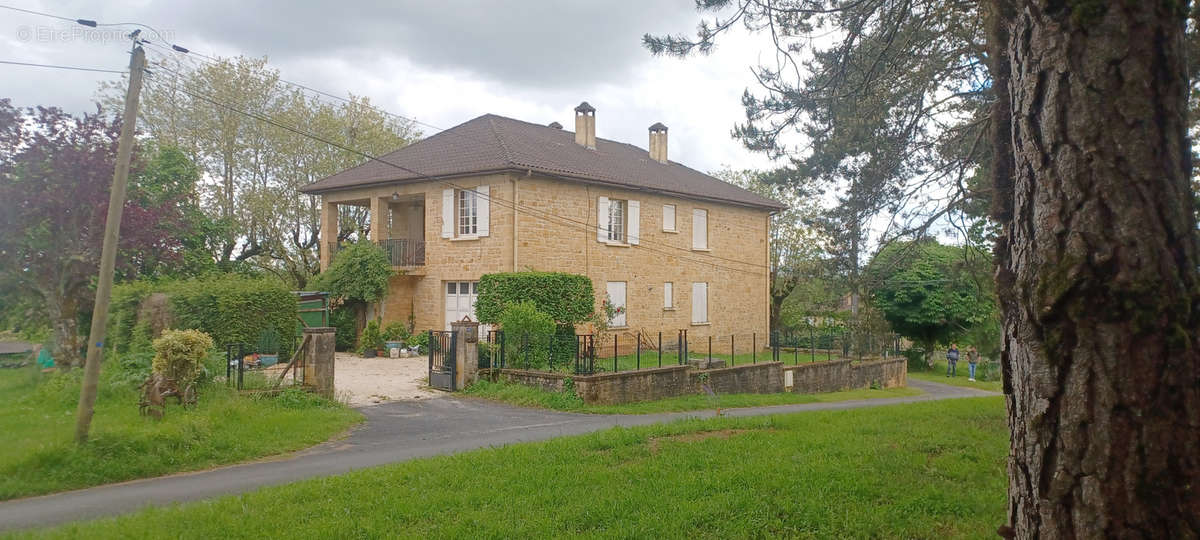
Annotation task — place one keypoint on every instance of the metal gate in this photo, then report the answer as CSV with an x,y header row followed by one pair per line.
x,y
443,348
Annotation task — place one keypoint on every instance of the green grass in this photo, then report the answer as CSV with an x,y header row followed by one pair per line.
x,y
925,470
938,374
525,396
37,420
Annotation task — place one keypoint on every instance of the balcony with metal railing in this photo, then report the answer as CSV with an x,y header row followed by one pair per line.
x,y
403,252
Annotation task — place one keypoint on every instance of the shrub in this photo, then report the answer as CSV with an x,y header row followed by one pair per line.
x,y
346,323
420,340
358,272
179,355
396,331
229,308
527,334
371,338
566,298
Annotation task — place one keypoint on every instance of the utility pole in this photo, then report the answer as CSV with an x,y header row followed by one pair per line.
x,y
108,255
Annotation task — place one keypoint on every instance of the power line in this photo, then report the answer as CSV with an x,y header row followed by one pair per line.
x,y
502,202
85,22
589,226
74,68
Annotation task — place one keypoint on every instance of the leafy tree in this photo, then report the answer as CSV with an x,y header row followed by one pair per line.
x,y
358,275
926,294
258,216
55,174
1077,112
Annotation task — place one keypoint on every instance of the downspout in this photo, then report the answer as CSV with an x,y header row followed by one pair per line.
x,y
516,222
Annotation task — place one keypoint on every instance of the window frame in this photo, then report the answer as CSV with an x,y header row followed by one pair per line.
x,y
707,319
466,226
668,296
618,231
674,228
707,240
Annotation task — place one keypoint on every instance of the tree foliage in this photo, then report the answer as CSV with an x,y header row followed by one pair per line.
x,y
256,169
55,174
927,293
358,273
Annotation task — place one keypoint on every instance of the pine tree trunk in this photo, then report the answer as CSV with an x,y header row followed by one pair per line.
x,y
1098,268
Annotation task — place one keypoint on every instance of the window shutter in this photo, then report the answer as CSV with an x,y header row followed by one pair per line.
x,y
447,213
483,211
699,229
699,302
668,217
635,228
602,219
667,295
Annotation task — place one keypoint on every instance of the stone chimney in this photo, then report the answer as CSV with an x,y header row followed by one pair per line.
x,y
658,142
585,125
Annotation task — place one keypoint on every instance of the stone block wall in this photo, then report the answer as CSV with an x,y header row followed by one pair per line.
x,y
890,373
761,378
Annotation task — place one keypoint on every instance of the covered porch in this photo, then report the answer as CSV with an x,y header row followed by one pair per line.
x,y
397,224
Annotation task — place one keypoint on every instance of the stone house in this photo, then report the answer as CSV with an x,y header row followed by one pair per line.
x,y
677,248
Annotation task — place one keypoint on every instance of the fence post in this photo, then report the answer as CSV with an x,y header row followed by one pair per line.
x,y
754,347
732,351
241,364
501,349
660,348
639,349
710,348
615,338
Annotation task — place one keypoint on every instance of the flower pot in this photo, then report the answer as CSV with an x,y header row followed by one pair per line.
x,y
266,360
369,353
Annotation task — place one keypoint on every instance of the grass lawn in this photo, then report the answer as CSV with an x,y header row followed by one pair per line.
x,y
938,374
37,420
925,470
526,396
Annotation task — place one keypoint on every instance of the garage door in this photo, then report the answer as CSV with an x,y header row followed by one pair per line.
x,y
460,300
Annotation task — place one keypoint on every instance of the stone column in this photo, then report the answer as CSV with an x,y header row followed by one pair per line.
x,y
318,360
329,232
379,219
466,370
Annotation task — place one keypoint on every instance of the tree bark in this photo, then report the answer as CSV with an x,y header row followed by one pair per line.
x,y
63,313
1098,268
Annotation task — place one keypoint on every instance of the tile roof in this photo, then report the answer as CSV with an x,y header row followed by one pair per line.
x,y
492,143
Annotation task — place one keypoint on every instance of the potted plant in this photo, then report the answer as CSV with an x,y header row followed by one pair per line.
x,y
394,336
370,341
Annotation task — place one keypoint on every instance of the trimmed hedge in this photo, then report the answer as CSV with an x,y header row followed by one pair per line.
x,y
567,298
230,308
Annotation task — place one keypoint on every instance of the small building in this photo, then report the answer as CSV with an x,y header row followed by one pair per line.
x,y
676,248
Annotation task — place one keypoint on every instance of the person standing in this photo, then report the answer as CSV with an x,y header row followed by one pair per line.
x,y
972,359
952,360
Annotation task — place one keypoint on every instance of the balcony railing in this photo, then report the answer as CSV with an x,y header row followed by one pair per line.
x,y
400,251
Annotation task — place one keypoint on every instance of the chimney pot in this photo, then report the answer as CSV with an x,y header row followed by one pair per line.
x,y
658,142
555,125
585,125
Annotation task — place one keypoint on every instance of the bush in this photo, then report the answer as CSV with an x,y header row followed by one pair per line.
x,y
527,334
371,338
420,341
179,355
229,308
396,331
566,298
346,323
916,359
359,272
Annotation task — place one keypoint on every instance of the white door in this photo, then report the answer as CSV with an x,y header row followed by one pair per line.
x,y
616,295
460,300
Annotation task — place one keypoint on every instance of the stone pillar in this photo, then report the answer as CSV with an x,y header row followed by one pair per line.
x,y
466,368
318,360
379,219
329,232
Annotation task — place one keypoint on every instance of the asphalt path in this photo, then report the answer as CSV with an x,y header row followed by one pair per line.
x,y
395,431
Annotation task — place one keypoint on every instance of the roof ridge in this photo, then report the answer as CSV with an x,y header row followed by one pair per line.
x,y
500,140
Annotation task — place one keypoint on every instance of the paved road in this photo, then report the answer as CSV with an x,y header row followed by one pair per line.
x,y
396,431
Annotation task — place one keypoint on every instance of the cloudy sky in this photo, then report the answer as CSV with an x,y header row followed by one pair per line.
x,y
440,62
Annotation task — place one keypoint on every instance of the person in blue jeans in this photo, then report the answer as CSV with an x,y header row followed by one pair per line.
x,y
952,360
972,359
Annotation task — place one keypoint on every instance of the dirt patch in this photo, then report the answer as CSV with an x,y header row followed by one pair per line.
x,y
655,442
367,381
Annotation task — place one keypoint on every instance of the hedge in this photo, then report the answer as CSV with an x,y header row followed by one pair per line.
x,y
230,308
567,298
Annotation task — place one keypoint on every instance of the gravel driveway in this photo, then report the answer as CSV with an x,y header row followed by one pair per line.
x,y
367,381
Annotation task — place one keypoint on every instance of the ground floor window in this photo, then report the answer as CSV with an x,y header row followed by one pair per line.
x,y
460,300
699,303
616,295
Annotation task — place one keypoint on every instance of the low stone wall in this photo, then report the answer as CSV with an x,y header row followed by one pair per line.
x,y
670,381
761,378
839,375
889,373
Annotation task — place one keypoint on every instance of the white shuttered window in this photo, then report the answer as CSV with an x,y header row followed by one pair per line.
x,y
699,229
668,295
669,217
699,303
